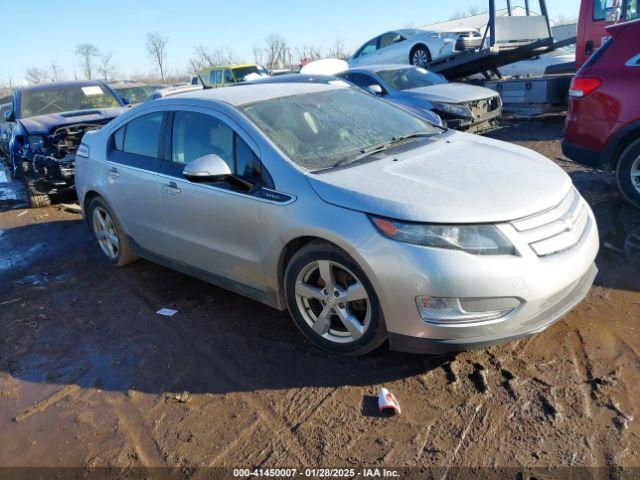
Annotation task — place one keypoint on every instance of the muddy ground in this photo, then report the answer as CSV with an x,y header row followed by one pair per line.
x,y
90,375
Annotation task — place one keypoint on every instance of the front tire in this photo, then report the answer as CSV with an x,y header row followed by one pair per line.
x,y
420,56
628,173
110,236
332,301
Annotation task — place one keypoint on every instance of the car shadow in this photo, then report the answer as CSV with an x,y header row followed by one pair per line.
x,y
70,318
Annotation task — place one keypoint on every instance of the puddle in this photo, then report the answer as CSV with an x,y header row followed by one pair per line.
x,y
10,259
12,194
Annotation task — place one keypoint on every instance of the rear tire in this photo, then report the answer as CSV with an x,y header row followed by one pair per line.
x,y
628,173
108,233
332,302
420,56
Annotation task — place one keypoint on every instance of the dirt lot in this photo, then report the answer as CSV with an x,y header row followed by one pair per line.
x,y
90,375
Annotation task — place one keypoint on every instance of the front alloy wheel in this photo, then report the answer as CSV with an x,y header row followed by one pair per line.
x,y
332,301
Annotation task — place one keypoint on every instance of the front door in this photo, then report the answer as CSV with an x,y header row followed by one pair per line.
x,y
214,227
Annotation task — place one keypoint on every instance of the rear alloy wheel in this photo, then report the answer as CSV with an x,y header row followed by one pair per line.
x,y
111,239
628,173
332,301
420,57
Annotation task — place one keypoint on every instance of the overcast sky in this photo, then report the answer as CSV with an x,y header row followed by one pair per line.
x,y
48,30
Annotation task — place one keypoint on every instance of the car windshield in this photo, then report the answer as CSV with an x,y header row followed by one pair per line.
x,y
135,94
65,99
319,130
242,72
408,78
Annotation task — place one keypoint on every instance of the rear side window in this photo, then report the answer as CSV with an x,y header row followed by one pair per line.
x,y
215,77
228,77
140,136
632,10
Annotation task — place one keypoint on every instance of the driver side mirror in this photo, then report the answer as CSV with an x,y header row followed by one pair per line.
x,y
212,168
207,168
375,89
8,116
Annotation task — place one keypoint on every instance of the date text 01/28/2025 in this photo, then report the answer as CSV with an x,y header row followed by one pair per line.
x,y
316,472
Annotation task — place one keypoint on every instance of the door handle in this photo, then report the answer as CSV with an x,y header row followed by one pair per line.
x,y
171,188
113,172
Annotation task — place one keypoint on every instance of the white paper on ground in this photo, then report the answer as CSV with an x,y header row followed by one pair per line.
x,y
167,312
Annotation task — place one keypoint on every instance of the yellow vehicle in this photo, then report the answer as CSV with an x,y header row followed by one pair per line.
x,y
230,74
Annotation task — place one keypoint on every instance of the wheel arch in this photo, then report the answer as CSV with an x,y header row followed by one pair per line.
x,y
420,45
627,137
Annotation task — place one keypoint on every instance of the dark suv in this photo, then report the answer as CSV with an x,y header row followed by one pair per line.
x,y
603,126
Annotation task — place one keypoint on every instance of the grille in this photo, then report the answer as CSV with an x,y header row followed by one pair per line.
x,y
468,41
558,229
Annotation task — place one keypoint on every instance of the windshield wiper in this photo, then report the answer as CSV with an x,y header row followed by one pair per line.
x,y
381,147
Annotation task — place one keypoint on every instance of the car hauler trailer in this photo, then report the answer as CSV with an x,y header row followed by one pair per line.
x,y
512,38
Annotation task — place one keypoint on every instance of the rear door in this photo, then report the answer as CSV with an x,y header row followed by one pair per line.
x,y
214,227
133,163
391,48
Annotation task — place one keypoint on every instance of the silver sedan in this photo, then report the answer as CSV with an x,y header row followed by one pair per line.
x,y
364,221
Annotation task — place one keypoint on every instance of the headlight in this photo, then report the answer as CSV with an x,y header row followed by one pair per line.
x,y
36,142
454,109
475,239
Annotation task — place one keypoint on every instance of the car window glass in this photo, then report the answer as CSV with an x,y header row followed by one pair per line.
x,y
143,134
247,163
599,9
362,80
389,39
196,135
632,10
218,76
370,47
228,77
118,138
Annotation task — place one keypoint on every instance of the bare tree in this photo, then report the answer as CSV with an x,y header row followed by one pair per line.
x,y
469,12
258,53
106,68
56,72
337,50
36,75
87,52
157,50
308,53
204,57
278,52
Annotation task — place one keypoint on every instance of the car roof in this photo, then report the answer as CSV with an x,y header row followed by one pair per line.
x,y
232,66
48,86
255,92
117,85
295,78
379,68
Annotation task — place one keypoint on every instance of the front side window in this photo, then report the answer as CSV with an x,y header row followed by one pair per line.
x,y
140,136
408,78
228,77
44,101
321,129
370,47
631,12
135,94
362,80
196,135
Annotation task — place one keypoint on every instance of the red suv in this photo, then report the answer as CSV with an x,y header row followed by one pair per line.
x,y
603,125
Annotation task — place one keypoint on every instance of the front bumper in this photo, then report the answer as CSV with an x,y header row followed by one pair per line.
x,y
537,324
546,287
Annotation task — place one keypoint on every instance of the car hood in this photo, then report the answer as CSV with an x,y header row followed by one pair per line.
x,y
452,92
461,178
42,124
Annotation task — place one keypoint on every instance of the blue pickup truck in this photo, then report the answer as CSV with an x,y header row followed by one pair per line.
x,y
41,130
